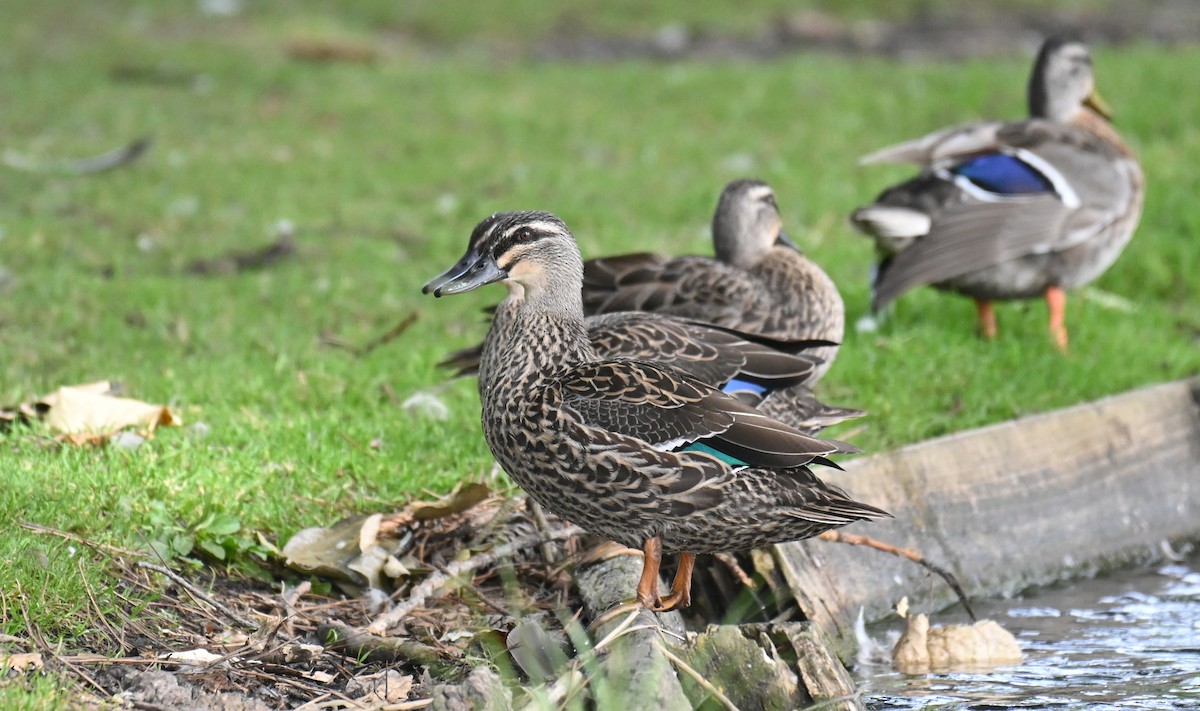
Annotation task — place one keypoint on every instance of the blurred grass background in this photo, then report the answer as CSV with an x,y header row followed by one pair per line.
x,y
381,132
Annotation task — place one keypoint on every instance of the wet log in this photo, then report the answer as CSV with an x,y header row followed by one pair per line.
x,y
1030,501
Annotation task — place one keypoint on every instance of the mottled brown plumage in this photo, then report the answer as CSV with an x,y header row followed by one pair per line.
x,y
759,282
635,451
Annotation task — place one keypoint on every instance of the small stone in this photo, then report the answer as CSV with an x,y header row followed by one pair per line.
x,y
127,440
426,405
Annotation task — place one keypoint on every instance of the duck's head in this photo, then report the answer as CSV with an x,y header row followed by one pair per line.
x,y
533,253
746,224
1062,83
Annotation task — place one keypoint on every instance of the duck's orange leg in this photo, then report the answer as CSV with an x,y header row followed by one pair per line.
x,y
1056,303
681,587
647,589
987,319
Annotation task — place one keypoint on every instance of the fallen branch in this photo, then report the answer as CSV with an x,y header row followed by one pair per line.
x,y
437,580
855,539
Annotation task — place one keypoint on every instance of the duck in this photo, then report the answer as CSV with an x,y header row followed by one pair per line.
x,y
773,375
1007,210
759,280
634,451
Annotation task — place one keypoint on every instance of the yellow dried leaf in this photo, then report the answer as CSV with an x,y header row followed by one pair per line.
x,y
21,662
88,410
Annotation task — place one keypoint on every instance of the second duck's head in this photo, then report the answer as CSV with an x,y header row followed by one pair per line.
x,y
746,225
1062,82
533,253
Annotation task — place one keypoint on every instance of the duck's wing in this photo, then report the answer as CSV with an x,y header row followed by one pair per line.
x,y
695,287
714,355
1019,189
670,411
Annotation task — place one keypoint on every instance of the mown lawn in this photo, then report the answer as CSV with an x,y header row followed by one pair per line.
x,y
382,167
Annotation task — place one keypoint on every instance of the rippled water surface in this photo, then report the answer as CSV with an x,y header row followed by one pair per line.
x,y
1126,640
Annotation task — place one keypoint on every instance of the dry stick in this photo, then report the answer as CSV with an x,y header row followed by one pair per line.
x,y
549,551
94,545
855,539
392,334
734,567
197,593
40,641
118,638
434,582
697,676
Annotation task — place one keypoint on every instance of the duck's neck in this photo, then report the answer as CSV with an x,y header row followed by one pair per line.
x,y
533,338
1090,120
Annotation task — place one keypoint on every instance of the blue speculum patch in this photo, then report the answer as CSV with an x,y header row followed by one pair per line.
x,y
1003,174
742,386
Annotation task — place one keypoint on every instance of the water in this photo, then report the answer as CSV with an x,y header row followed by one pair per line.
x,y
1127,640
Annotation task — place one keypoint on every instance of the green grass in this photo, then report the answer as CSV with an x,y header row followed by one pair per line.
x,y
383,168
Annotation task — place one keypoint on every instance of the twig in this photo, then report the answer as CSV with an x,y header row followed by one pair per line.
x,y
435,582
365,646
94,545
855,539
197,593
112,632
79,166
40,641
697,676
734,567
549,550
392,334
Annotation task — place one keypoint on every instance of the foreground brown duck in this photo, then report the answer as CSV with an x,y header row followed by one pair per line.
x,y
633,451
760,282
772,375
1012,210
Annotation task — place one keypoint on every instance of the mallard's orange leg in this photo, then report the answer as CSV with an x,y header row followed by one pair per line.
x,y
647,589
681,587
987,319
1056,303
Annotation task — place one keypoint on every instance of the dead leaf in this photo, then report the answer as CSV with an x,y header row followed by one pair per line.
x,y
90,411
462,498
21,662
388,686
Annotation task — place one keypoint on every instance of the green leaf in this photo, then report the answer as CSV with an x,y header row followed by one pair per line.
x,y
212,548
222,525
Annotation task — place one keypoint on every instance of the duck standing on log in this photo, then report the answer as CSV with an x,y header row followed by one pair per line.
x,y
631,450
1011,209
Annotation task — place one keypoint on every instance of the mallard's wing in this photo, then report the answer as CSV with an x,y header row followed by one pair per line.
x,y
669,410
1035,187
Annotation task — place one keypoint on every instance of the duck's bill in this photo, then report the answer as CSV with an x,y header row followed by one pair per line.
x,y
471,272
1097,104
783,240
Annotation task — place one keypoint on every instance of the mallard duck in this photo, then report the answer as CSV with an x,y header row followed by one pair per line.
x,y
771,374
760,282
634,451
1012,209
